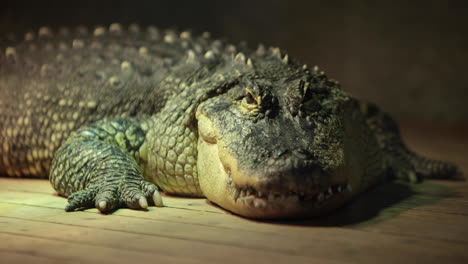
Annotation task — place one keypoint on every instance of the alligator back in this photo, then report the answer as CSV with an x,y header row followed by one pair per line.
x,y
51,84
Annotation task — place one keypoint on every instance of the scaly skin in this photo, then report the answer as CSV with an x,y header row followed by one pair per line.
x,y
115,116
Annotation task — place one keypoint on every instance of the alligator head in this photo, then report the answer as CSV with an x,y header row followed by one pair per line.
x,y
272,145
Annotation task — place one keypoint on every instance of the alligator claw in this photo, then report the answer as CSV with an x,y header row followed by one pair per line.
x,y
110,198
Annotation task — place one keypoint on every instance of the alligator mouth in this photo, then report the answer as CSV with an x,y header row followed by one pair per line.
x,y
262,198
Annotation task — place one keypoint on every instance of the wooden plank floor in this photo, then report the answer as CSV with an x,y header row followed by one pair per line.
x,y
394,223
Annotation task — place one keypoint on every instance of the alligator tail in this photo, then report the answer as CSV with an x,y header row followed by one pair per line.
x,y
433,169
401,161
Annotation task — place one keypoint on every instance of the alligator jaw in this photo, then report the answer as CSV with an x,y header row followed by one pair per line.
x,y
249,196
260,201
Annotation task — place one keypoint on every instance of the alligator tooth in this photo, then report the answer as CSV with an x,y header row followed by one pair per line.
x,y
256,204
247,192
242,193
236,194
259,203
260,194
339,188
349,187
330,190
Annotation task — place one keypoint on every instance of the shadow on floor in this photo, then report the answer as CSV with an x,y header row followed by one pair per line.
x,y
381,203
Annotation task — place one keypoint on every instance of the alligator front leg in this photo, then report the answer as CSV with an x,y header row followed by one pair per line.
x,y
101,166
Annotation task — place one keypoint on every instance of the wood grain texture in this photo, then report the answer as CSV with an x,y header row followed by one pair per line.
x,y
396,222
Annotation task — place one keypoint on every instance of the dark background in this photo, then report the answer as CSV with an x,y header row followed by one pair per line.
x,y
410,57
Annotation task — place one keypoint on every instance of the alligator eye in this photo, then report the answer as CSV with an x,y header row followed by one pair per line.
x,y
251,103
249,99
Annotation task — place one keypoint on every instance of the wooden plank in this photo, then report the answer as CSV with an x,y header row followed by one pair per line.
x,y
360,212
332,244
449,196
17,256
425,225
382,203
26,185
147,244
428,196
451,192
364,209
68,251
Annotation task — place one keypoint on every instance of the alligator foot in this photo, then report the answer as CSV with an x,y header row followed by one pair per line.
x,y
112,196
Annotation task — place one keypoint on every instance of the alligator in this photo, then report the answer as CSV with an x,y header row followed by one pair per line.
x,y
114,116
